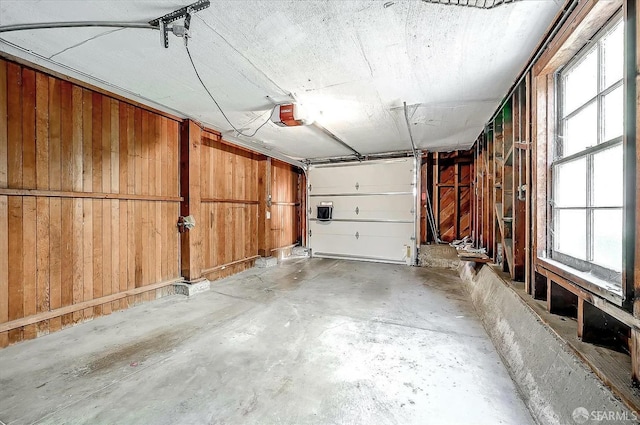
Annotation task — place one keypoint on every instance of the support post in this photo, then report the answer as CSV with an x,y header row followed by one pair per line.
x,y
264,207
191,240
635,360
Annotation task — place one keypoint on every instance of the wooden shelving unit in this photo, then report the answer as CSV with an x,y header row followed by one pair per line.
x,y
499,202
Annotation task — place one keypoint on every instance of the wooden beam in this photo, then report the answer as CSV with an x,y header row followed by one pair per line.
x,y
586,19
581,303
87,195
528,240
191,240
519,206
631,216
229,201
635,358
456,206
15,324
264,207
436,191
223,266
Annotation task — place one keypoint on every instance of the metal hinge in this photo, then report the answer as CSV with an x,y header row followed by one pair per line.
x,y
357,210
357,185
309,232
357,235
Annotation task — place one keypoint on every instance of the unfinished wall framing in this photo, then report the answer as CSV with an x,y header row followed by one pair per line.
x,y
448,177
512,196
91,188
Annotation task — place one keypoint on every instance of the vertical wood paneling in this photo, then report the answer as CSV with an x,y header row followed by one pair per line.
x,y
14,179
55,204
107,222
57,137
284,184
4,205
15,258
96,206
87,204
42,204
14,126
3,124
29,204
4,268
229,188
123,185
77,256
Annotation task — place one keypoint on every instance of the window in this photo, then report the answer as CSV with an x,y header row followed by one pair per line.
x,y
587,171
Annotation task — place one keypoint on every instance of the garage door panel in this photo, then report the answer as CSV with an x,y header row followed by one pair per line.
x,y
397,207
374,208
374,240
386,177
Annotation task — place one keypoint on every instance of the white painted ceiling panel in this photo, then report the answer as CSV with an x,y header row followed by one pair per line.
x,y
353,63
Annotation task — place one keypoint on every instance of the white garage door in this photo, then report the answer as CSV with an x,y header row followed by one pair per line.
x,y
374,210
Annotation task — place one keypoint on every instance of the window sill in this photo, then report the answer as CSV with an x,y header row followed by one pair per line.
x,y
586,281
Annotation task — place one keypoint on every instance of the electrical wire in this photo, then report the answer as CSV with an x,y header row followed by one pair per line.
x,y
204,86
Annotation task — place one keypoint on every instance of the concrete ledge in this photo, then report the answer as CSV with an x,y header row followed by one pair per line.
x,y
299,251
439,256
190,289
264,262
553,381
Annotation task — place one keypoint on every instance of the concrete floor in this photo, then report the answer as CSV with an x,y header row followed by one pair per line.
x,y
307,342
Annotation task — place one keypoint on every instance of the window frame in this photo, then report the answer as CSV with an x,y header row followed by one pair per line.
x,y
588,153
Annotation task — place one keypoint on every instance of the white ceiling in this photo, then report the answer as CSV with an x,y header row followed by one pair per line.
x,y
353,63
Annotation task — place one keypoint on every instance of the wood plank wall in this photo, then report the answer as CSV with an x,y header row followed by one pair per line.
x,y
285,205
448,177
89,196
229,193
237,220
